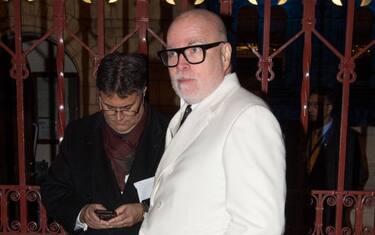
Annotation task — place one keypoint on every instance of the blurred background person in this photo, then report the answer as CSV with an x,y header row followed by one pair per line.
x,y
323,143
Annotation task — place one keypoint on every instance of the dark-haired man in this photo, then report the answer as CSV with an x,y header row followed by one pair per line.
x,y
98,183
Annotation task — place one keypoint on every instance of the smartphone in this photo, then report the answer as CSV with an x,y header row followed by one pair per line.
x,y
105,214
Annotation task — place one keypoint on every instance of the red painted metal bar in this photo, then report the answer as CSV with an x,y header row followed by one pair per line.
x,y
59,25
20,72
308,23
12,194
265,62
39,41
285,45
226,7
7,49
358,215
318,229
159,39
327,44
126,38
142,27
184,5
142,19
3,209
101,36
79,41
16,73
101,31
363,50
22,193
360,200
347,69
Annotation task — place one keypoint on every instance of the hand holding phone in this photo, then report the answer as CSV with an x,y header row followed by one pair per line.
x,y
105,214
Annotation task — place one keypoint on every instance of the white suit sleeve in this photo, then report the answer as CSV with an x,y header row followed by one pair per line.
x,y
254,164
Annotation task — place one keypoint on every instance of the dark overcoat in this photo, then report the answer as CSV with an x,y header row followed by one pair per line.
x,y
82,173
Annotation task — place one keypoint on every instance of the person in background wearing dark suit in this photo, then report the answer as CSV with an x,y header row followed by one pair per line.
x,y
323,150
107,161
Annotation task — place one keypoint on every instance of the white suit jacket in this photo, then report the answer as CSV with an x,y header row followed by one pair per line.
x,y
223,171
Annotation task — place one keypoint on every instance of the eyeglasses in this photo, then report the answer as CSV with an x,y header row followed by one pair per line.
x,y
125,110
195,54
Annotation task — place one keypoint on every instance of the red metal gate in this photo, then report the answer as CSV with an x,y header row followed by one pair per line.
x,y
22,194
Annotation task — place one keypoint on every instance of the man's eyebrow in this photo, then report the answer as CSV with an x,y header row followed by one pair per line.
x,y
125,106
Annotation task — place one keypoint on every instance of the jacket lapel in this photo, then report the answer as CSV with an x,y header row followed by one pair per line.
x,y
147,152
103,182
179,139
185,135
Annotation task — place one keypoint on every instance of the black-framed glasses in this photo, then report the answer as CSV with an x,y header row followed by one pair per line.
x,y
194,54
125,110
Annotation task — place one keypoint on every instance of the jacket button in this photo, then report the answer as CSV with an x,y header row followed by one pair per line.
x,y
158,204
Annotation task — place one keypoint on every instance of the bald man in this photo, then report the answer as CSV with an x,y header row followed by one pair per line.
x,y
223,169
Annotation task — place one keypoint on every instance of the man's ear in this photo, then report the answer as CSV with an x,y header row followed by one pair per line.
x,y
144,90
100,102
226,54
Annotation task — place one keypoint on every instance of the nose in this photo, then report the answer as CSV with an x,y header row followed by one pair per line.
x,y
182,64
119,115
311,109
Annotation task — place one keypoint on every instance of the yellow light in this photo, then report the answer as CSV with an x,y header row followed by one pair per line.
x,y
197,2
365,3
171,2
90,1
337,2
281,2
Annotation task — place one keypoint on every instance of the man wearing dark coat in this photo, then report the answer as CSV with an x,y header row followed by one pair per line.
x,y
98,183
323,152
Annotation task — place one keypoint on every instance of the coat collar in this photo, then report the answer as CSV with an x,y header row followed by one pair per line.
x,y
179,139
146,159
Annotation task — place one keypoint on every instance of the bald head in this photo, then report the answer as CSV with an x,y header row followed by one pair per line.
x,y
204,19
198,42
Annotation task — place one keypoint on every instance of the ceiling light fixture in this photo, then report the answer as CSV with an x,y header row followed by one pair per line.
x,y
90,1
197,2
171,2
365,3
337,2
362,4
279,2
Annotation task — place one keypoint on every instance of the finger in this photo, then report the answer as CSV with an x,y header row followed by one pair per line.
x,y
119,221
99,225
93,221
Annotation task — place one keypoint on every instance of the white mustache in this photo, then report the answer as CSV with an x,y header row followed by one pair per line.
x,y
177,78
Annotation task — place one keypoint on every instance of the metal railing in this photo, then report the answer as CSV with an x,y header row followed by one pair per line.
x,y
17,202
